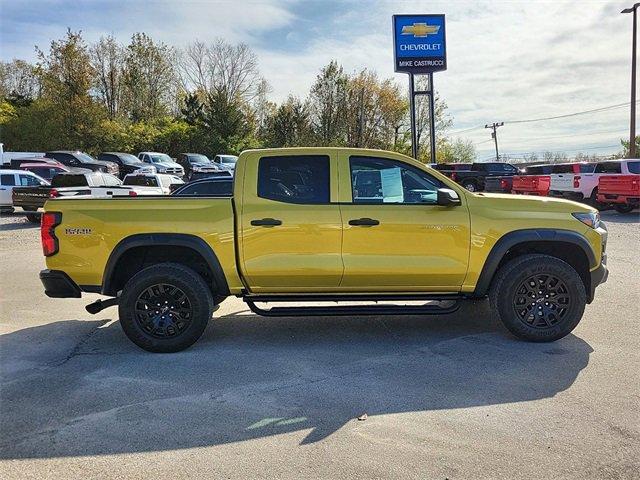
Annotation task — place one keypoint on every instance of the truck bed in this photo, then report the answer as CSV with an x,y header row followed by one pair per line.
x,y
86,239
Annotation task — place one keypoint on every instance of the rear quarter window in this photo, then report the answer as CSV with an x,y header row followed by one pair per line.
x,y
608,167
634,167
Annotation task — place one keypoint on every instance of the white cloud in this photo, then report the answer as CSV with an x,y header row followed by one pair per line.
x,y
507,60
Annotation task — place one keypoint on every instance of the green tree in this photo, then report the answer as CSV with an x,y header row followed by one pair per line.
x,y
149,80
289,125
327,102
107,59
456,151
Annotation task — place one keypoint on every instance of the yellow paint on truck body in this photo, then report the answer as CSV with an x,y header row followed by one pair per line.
x,y
415,248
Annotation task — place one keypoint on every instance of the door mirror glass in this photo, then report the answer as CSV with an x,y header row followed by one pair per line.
x,y
448,197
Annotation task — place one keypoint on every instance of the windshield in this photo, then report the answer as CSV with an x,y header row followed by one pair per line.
x,y
129,159
198,159
84,158
228,159
161,158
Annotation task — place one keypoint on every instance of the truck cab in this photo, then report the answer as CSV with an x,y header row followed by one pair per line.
x,y
335,225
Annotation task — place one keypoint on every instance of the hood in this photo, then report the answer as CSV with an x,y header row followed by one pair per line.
x,y
530,203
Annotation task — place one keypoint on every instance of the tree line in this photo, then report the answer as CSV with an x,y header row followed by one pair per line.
x,y
208,97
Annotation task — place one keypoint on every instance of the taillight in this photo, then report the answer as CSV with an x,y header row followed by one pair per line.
x,y
133,193
48,222
576,181
53,193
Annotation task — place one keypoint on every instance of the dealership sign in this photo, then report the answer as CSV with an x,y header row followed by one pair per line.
x,y
419,43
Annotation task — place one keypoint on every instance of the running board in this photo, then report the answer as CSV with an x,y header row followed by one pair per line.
x,y
355,310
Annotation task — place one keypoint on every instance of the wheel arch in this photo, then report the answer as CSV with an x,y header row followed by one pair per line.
x,y
555,242
141,250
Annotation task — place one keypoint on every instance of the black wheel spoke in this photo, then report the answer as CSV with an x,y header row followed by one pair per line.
x,y
163,310
541,301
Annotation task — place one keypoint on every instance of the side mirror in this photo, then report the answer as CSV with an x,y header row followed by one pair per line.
x,y
448,197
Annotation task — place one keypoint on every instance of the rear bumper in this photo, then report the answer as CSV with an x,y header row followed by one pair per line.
x,y
566,194
614,198
58,284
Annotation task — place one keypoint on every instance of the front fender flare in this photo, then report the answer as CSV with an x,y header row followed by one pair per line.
x,y
511,239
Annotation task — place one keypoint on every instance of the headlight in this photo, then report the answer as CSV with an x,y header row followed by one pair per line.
x,y
591,219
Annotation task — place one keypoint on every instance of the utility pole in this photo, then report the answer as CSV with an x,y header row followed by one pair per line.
x,y
494,126
632,125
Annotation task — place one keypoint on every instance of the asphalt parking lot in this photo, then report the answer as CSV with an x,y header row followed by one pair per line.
x,y
446,397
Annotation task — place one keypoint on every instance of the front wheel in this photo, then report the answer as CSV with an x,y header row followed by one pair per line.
x,y
539,298
624,208
165,308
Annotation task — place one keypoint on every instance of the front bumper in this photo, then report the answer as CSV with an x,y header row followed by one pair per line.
x,y
600,274
58,284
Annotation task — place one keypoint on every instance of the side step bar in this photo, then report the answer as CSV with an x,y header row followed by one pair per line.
x,y
329,310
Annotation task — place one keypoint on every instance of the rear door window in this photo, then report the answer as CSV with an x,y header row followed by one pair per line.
x,y
294,179
565,168
608,167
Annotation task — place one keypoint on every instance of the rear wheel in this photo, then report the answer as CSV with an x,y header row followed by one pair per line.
x,y
624,208
471,186
165,307
538,298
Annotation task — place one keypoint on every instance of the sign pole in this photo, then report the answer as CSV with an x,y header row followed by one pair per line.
x,y
412,108
432,117
419,48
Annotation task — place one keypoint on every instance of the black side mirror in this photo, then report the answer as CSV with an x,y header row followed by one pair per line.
x,y
448,197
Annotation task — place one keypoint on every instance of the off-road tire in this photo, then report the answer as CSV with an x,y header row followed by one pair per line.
x,y
507,287
624,208
200,305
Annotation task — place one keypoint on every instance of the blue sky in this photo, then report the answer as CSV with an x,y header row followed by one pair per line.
x,y
507,60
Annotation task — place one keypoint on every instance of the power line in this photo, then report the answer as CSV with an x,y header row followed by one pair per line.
x,y
595,110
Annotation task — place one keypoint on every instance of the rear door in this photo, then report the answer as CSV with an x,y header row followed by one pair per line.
x,y
290,229
395,236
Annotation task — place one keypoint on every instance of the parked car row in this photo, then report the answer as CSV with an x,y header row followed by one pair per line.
x,y
602,184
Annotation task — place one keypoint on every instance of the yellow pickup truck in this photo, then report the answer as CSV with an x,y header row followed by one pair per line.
x,y
326,231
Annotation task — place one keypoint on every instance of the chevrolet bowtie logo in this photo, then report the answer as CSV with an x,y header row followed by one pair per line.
x,y
420,29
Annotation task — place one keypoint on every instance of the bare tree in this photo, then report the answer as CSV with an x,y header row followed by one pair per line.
x,y
107,58
221,69
19,78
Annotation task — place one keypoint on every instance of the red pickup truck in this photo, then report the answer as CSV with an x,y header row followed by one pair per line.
x,y
620,191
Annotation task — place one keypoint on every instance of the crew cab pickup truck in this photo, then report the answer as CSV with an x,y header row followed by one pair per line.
x,y
474,178
326,225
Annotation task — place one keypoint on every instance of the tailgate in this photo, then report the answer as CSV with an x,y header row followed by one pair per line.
x,y
30,196
628,185
562,181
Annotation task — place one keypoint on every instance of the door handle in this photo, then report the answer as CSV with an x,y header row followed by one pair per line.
x,y
266,222
364,222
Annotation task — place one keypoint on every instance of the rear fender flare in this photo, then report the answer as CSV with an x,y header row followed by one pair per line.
x,y
164,239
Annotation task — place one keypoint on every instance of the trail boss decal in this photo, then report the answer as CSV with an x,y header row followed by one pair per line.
x,y
77,231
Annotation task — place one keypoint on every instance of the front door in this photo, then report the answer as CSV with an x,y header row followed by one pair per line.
x,y
395,236
291,230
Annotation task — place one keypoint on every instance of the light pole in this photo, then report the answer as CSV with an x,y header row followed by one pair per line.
x,y
632,126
